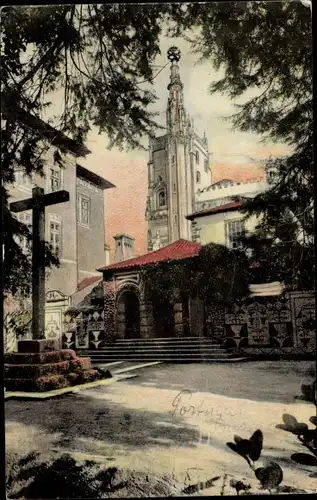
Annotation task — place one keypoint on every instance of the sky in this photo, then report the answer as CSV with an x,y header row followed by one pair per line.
x,y
235,155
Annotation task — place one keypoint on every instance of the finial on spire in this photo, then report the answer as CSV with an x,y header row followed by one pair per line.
x,y
174,54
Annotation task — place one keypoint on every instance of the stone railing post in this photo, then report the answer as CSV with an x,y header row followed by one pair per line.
x,y
146,320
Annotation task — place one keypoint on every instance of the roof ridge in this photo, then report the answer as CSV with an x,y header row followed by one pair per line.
x,y
162,254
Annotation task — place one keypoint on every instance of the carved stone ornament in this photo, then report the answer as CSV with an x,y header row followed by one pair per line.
x,y
174,54
54,295
159,184
157,215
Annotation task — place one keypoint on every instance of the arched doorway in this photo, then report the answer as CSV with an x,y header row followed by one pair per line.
x,y
128,315
163,319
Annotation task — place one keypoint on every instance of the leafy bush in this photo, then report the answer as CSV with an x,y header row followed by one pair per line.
x,y
218,274
19,322
306,436
31,478
63,478
270,476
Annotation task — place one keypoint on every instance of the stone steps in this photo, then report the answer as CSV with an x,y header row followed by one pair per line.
x,y
166,340
187,350
165,348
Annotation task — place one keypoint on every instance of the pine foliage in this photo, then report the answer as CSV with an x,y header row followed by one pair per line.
x,y
101,57
265,52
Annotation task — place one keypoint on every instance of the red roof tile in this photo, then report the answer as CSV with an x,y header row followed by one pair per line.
x,y
233,205
87,281
180,249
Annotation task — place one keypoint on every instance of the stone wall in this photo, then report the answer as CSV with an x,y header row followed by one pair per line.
x,y
84,330
266,325
109,310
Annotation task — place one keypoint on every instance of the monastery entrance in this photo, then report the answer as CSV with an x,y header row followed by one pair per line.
x,y
163,319
128,315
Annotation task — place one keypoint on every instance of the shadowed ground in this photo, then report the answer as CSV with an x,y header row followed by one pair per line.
x,y
135,424
258,381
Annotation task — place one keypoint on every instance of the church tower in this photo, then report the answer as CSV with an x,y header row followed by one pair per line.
x,y
178,168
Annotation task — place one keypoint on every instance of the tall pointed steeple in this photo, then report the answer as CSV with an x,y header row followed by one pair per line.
x,y
175,113
177,168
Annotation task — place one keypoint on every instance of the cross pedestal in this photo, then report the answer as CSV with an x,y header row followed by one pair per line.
x,y
37,203
38,366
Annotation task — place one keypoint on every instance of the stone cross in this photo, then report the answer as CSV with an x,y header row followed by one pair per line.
x,y
37,203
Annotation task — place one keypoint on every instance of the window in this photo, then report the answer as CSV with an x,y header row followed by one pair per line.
x,y
55,179
234,229
198,177
206,166
197,156
55,237
161,199
83,207
173,159
175,220
174,188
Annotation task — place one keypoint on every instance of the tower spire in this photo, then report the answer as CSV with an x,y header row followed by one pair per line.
x,y
174,55
175,115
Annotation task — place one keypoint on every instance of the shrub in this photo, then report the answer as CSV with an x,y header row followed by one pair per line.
x,y
63,478
307,437
271,475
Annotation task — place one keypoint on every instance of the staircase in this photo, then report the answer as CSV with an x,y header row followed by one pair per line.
x,y
184,350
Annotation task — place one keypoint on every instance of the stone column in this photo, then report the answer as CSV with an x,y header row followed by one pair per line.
x,y
196,317
146,320
109,311
178,319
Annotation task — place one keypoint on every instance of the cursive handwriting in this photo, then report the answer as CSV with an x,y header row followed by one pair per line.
x,y
182,405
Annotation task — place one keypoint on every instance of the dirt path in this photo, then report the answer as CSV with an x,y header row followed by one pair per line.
x,y
148,429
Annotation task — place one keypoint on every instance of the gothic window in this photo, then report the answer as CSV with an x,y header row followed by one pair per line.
x,y
198,176
234,229
174,187
173,159
175,220
55,179
161,199
197,156
55,237
206,166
